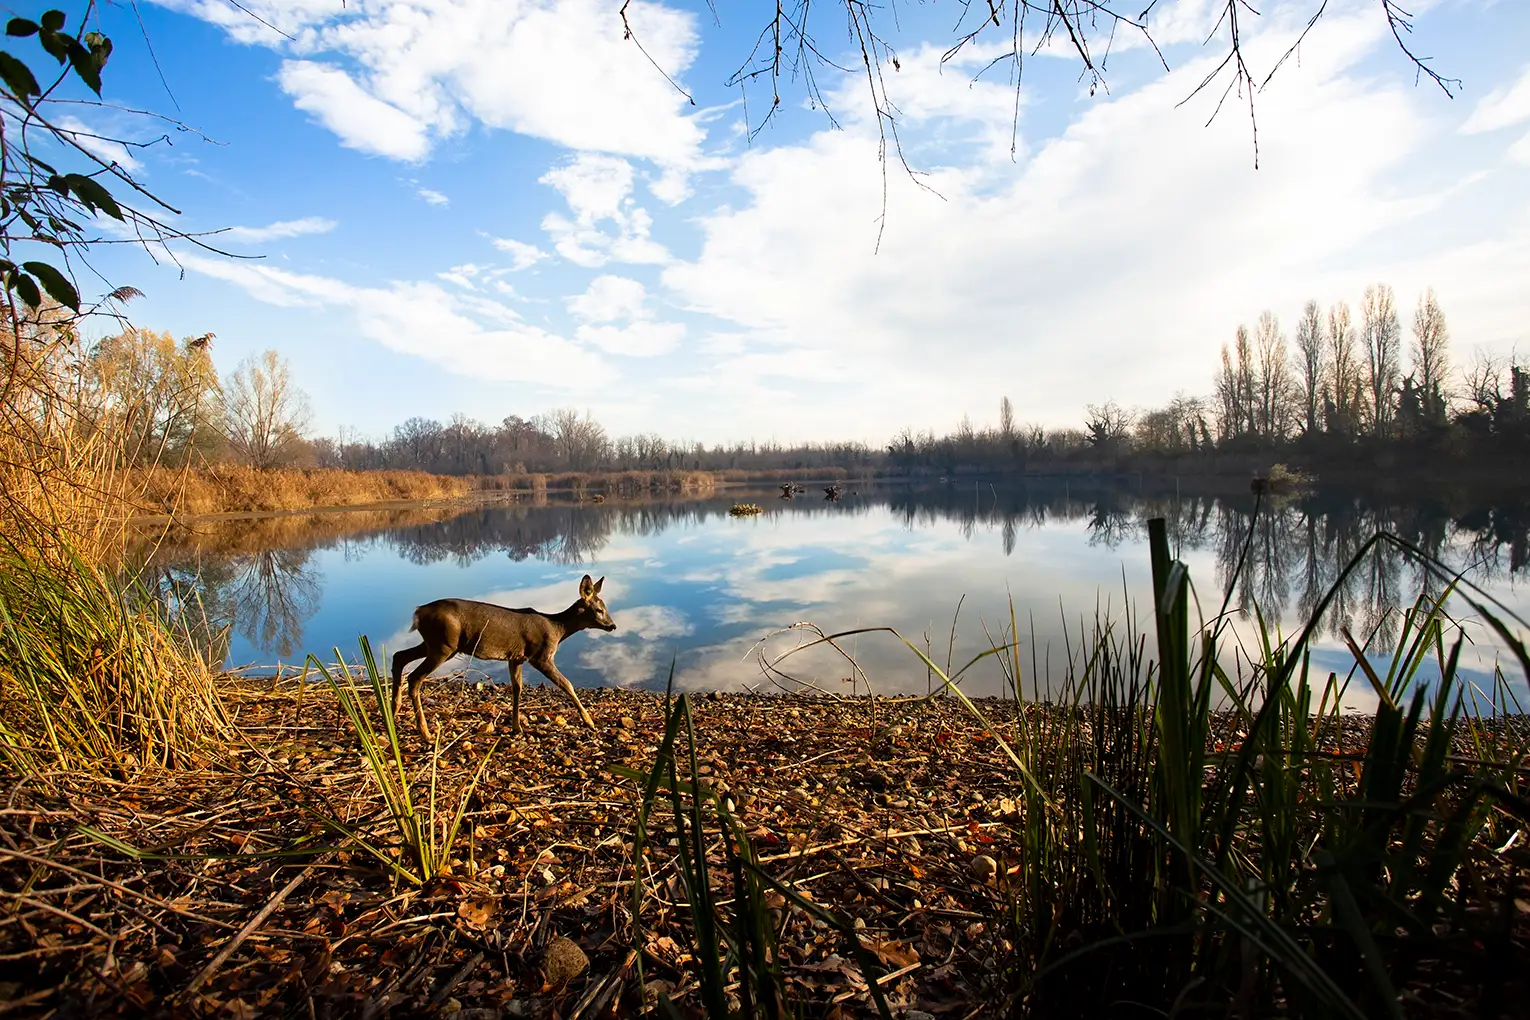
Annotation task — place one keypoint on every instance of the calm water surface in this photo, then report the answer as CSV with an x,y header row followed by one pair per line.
x,y
687,583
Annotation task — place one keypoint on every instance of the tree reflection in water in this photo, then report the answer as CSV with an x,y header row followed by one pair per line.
x,y
273,594
269,587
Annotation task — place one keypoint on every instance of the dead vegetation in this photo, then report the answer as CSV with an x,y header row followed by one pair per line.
x,y
902,833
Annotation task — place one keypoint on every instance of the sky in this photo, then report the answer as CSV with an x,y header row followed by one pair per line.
x,y
501,207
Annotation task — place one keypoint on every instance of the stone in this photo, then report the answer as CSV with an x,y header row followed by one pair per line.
x,y
563,961
983,868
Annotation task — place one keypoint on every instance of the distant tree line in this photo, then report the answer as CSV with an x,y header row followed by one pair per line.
x,y
1343,386
566,440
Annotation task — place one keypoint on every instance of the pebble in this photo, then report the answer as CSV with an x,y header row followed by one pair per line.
x,y
563,961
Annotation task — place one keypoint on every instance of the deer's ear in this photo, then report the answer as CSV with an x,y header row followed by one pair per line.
x,y
598,583
585,586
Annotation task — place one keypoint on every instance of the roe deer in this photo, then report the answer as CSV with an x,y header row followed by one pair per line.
x,y
448,627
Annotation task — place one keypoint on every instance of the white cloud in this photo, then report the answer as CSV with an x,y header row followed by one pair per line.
x,y
464,276
280,229
360,119
636,339
598,189
672,187
595,187
470,336
653,623
433,197
1519,152
614,316
1503,107
609,298
390,76
524,255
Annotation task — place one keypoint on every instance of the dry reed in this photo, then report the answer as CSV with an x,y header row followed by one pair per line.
x,y
231,488
93,675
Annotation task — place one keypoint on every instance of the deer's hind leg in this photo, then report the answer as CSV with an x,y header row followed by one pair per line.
x,y
400,660
432,662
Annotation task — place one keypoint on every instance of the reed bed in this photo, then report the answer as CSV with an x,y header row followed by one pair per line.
x,y
231,488
95,677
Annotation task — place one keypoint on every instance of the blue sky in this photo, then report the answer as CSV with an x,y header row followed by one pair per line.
x,y
500,207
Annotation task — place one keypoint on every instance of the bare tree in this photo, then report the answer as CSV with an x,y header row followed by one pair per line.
x,y
1006,419
1431,357
1272,399
1381,334
1311,364
1346,385
1107,426
1247,387
1229,397
266,414
1483,380
581,441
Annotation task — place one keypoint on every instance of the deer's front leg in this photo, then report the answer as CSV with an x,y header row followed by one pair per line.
x,y
516,683
546,668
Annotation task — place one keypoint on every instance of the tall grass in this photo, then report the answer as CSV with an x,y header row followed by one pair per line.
x,y
92,675
1270,857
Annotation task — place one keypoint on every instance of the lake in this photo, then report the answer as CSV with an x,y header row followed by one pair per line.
x,y
942,563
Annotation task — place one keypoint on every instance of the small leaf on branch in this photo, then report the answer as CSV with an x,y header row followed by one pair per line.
x,y
55,283
25,289
56,43
20,27
86,66
18,78
93,195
